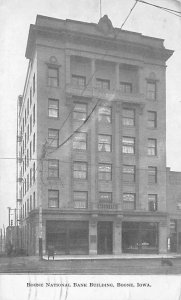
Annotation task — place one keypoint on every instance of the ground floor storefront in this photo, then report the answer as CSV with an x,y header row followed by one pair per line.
x,y
96,235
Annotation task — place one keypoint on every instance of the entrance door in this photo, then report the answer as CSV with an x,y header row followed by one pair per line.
x,y
104,237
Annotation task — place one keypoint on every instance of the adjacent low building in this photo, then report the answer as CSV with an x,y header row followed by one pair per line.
x,y
92,140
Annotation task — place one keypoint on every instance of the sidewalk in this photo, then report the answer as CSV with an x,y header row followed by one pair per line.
x,y
113,257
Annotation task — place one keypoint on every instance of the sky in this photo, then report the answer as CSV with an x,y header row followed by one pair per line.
x,y
15,19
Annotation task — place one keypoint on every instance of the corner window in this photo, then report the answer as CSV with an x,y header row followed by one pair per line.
x,y
53,198
152,147
152,119
128,117
125,87
105,114
80,170
53,138
152,202
104,143
53,76
80,112
105,172
151,90
78,81
129,202
80,141
80,199
53,108
53,168
128,145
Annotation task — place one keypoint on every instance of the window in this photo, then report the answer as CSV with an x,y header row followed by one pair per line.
x,y
152,147
128,173
105,197
104,114
30,124
103,84
53,108
33,84
151,90
34,173
105,172
128,145
80,112
80,199
80,141
104,143
129,201
53,76
34,200
53,198
152,119
28,107
78,81
34,114
125,87
33,142
53,168
80,170
30,97
128,117
152,175
53,138
152,202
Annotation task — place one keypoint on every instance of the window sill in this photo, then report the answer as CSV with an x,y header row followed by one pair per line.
x,y
54,118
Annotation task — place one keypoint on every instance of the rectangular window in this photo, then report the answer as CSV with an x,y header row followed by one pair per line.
x,y
78,81
128,173
105,197
151,90
152,147
53,168
104,143
34,200
80,141
80,112
33,84
152,119
128,117
152,175
53,198
128,145
103,84
30,124
53,138
80,170
34,114
129,202
80,199
53,76
33,142
105,172
125,87
105,114
152,202
53,108
30,97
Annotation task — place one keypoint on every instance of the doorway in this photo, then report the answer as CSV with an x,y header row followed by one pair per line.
x,y
104,237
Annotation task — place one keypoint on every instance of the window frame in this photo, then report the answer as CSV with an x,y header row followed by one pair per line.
x,y
53,198
52,78
76,170
127,145
102,81
154,203
151,94
109,198
77,83
105,175
103,144
154,148
53,169
77,112
80,141
152,120
85,201
152,175
53,109
126,118
125,85
51,141
129,177
104,117
129,201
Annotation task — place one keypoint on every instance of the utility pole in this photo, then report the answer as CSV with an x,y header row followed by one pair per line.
x,y
9,215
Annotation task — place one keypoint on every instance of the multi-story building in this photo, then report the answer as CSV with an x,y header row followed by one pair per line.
x,y
92,146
